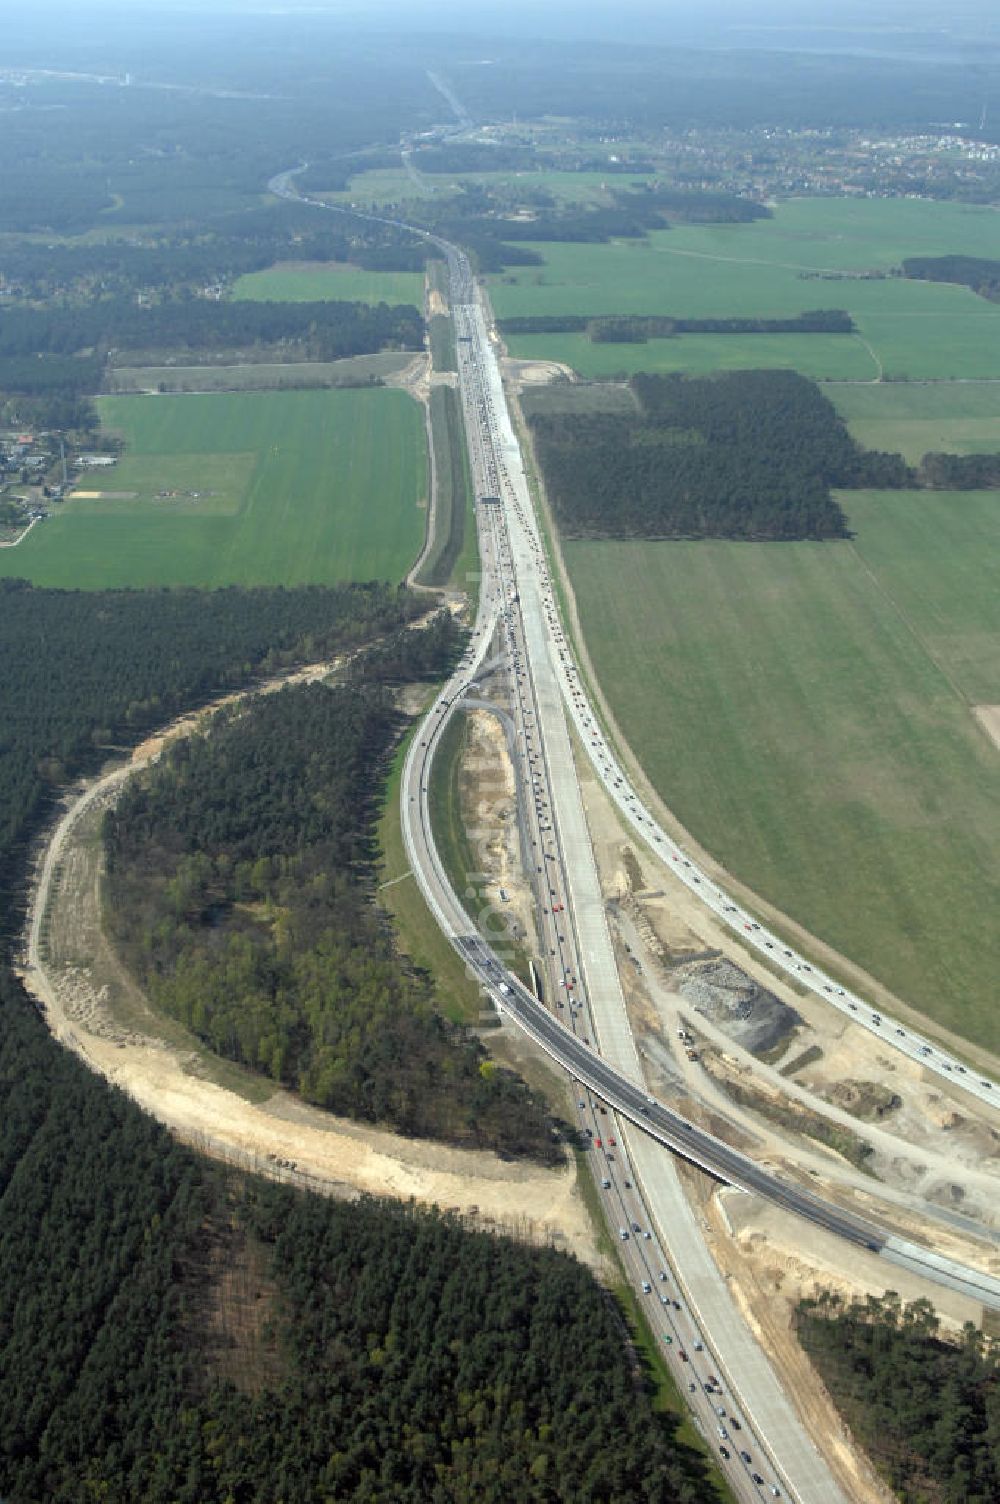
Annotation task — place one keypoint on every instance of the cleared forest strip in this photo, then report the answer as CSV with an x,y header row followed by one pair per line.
x,y
87,1010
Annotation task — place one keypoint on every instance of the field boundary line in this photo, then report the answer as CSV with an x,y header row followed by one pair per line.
x,y
878,364
786,266
910,625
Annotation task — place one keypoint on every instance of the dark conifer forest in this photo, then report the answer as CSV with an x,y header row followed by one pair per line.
x,y
926,1409
977,272
746,454
176,1334
635,329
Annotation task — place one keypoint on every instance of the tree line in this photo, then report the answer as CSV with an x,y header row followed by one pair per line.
x,y
613,328
328,330
479,219
959,472
746,454
978,272
927,1409
47,376
216,249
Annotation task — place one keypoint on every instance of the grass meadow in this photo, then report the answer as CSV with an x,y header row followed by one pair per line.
x,y
390,185
812,254
825,357
805,710
913,419
318,281
294,488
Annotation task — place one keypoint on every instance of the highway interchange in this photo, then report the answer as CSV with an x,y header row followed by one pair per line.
x,y
564,1031
586,1031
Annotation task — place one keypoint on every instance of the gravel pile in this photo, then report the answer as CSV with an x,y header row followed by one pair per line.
x,y
749,1014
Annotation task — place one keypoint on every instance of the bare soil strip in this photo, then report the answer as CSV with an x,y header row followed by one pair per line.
x,y
988,717
92,1007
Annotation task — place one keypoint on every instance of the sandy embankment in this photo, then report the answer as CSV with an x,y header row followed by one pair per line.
x,y
93,1008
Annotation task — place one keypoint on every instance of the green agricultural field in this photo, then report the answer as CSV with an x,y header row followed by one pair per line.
x,y
592,190
830,357
317,281
787,265
578,397
382,185
805,710
294,488
937,557
913,419
392,185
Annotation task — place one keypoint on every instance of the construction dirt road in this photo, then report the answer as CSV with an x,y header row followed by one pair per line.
x,y
93,1007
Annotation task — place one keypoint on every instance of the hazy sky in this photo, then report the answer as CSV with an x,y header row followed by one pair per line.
x,y
906,26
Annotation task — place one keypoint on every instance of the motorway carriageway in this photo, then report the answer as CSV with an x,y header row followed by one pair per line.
x,y
575,1055
684,1328
778,955
499,608
750,931
490,438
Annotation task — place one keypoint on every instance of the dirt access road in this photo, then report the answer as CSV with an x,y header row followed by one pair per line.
x,y
93,1008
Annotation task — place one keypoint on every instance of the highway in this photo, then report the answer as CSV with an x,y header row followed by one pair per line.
x,y
706,1380
686,1314
517,595
751,932
778,954
587,1031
